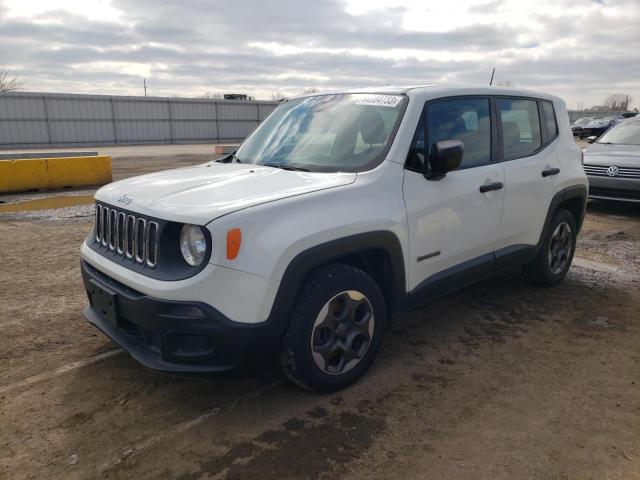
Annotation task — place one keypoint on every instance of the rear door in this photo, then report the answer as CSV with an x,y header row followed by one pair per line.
x,y
527,133
454,221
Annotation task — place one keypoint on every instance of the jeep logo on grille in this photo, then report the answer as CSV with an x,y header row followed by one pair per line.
x,y
613,171
126,199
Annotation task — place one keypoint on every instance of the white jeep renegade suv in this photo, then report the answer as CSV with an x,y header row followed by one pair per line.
x,y
339,211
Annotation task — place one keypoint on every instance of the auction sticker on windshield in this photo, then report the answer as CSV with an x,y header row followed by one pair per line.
x,y
380,100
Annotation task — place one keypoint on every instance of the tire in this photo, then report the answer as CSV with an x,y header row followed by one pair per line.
x,y
556,253
335,328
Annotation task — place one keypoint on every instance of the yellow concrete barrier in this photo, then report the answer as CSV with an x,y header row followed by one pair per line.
x,y
52,173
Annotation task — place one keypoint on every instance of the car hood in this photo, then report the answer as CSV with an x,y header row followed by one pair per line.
x,y
619,155
202,193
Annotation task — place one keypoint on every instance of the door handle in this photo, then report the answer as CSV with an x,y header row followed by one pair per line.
x,y
491,186
550,171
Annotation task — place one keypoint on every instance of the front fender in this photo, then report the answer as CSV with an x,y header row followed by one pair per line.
x,y
283,240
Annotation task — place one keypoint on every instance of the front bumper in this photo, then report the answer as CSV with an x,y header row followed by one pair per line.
x,y
176,337
614,188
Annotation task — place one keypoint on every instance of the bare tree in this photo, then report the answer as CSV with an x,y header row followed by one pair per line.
x,y
8,82
277,96
618,101
307,91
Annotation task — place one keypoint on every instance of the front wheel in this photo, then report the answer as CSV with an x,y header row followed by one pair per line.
x,y
556,253
335,329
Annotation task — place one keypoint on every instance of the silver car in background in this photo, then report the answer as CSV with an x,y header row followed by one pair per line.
x,y
612,163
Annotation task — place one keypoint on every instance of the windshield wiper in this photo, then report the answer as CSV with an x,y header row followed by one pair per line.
x,y
229,158
284,166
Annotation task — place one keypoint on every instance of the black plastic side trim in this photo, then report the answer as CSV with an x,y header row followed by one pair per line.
x,y
513,257
452,279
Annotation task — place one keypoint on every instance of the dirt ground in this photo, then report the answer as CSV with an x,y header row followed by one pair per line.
x,y
499,381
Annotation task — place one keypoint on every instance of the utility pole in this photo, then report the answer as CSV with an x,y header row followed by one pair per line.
x,y
144,82
492,74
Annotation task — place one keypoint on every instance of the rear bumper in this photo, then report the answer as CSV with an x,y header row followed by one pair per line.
x,y
176,337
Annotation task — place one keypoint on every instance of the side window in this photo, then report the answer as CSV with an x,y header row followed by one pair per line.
x,y
520,127
550,120
464,119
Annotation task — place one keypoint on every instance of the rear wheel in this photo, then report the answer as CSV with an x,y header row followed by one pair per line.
x,y
554,259
335,328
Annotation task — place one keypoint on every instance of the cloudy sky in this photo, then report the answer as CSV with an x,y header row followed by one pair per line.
x,y
580,50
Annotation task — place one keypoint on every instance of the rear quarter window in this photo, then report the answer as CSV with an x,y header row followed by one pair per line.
x,y
550,120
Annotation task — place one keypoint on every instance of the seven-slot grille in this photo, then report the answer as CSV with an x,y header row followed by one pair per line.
x,y
601,171
127,235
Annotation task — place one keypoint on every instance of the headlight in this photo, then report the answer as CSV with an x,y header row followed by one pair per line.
x,y
193,244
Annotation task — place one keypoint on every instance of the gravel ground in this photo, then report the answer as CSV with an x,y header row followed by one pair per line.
x,y
500,380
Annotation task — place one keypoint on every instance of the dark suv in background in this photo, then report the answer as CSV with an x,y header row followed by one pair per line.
x,y
579,124
596,127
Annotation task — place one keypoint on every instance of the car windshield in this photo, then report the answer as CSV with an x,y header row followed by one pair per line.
x,y
625,133
326,133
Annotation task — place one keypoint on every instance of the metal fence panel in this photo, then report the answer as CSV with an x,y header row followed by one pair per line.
x,y
235,110
141,109
143,131
28,132
81,131
265,110
236,130
193,111
194,131
54,119
66,109
25,108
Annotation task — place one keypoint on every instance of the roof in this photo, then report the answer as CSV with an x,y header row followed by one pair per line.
x,y
436,90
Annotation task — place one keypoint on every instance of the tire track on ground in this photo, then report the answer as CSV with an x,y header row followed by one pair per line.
x,y
69,367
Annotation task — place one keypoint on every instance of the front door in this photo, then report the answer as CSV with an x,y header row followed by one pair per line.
x,y
454,221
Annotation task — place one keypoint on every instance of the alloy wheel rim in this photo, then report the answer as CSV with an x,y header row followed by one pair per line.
x,y
342,332
560,248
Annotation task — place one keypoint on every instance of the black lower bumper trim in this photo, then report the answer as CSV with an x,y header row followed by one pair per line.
x,y
175,337
614,194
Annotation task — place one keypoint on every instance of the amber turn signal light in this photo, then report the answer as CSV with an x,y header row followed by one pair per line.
x,y
234,238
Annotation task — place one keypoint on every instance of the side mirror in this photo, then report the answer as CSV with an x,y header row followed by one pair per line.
x,y
592,139
445,157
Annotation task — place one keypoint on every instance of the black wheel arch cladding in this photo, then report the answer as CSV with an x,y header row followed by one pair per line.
x,y
333,251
